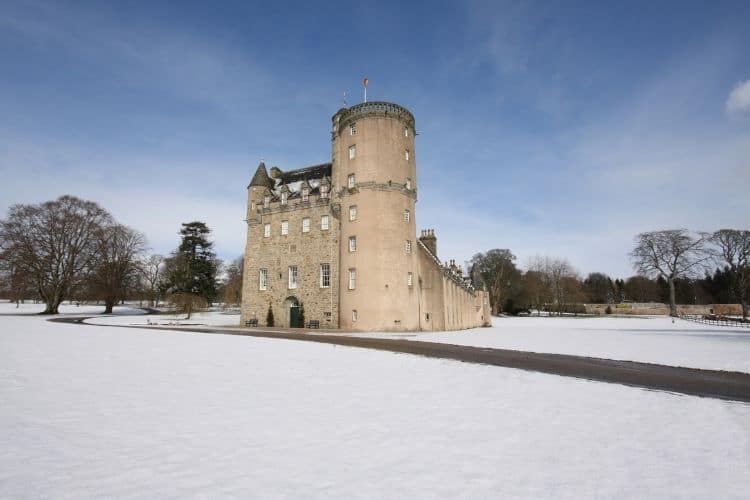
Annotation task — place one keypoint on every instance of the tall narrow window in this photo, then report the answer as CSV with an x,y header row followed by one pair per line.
x,y
353,212
354,315
305,194
409,279
266,201
352,279
406,131
407,246
284,227
353,129
292,277
325,222
352,151
306,225
352,243
284,198
407,215
408,183
262,279
351,181
325,275
406,155
266,230
323,191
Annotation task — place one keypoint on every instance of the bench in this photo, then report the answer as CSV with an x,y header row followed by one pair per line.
x,y
313,323
251,322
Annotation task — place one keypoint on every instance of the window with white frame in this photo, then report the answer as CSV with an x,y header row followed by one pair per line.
x,y
352,151
406,155
284,198
351,181
325,275
352,278
407,246
292,277
325,222
262,279
266,230
352,243
409,279
353,129
406,131
266,201
306,225
353,212
407,215
323,191
408,183
284,227
305,194
354,315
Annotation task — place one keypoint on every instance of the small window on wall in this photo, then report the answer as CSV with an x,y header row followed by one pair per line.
x,y
266,201
406,131
352,279
352,243
407,246
306,225
284,227
353,212
263,279
305,194
408,183
353,129
352,151
351,181
325,275
323,191
354,315
409,279
406,155
325,222
407,215
266,230
292,277
284,198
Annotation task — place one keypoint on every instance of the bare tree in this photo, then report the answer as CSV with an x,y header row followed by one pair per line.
x,y
231,288
53,244
734,251
536,282
497,271
118,249
560,276
152,273
671,254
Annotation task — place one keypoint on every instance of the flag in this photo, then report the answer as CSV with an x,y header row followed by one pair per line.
x,y
365,81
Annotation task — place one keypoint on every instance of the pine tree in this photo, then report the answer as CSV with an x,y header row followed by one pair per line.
x,y
192,267
269,316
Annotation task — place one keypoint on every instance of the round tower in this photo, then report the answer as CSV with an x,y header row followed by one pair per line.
x,y
374,180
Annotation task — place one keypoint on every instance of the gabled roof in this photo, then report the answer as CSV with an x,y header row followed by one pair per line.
x,y
261,177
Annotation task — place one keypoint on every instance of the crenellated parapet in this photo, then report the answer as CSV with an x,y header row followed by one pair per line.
x,y
345,116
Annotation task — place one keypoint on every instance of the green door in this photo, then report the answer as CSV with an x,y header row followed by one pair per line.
x,y
295,319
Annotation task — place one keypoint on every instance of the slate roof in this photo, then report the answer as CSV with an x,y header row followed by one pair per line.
x,y
261,177
307,173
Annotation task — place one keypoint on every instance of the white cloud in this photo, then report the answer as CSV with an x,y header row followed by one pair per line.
x,y
739,98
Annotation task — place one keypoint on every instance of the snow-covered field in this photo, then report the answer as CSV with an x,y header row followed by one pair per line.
x,y
96,411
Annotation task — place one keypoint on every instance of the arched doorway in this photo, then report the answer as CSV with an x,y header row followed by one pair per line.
x,y
294,314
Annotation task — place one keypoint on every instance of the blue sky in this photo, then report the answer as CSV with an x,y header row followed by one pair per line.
x,y
548,128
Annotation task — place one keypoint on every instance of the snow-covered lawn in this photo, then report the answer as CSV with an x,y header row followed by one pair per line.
x,y
211,318
648,339
96,411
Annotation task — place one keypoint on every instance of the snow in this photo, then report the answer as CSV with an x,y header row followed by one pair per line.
x,y
653,339
94,411
208,318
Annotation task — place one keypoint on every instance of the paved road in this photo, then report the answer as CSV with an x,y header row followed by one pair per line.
x,y
692,381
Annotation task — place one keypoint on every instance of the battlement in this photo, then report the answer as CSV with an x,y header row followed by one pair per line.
x,y
345,116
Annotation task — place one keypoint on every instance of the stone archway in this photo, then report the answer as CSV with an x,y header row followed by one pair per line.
x,y
294,316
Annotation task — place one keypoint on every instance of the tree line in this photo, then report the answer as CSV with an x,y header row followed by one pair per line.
x,y
673,266
73,249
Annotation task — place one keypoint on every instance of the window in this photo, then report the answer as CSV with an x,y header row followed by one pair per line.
x,y
306,225
408,183
284,197
352,243
351,181
354,315
353,212
266,201
352,279
284,227
262,279
406,131
327,315
407,215
325,275
406,155
325,222
353,129
323,191
407,246
292,277
252,207
305,194
352,151
409,279
266,230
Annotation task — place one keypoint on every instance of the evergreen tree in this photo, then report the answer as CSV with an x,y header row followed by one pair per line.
x,y
269,316
192,268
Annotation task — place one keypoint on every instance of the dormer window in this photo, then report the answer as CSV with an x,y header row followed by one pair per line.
x,y
351,181
266,201
284,197
353,129
324,191
305,194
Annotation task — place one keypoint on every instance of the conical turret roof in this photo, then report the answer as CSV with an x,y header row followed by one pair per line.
x,y
261,177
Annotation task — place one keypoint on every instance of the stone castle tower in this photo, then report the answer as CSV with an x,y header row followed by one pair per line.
x,y
336,243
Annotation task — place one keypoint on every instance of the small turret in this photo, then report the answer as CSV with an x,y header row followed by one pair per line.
x,y
261,178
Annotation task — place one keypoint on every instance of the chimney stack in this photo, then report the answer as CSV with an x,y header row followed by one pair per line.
x,y
427,237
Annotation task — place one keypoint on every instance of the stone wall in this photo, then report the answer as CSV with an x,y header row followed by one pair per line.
x,y
656,308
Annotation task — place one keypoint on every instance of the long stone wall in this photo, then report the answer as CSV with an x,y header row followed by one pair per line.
x,y
656,308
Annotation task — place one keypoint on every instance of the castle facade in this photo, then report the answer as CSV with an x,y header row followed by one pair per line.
x,y
336,243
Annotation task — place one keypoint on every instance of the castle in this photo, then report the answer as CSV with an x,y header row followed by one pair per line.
x,y
336,243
